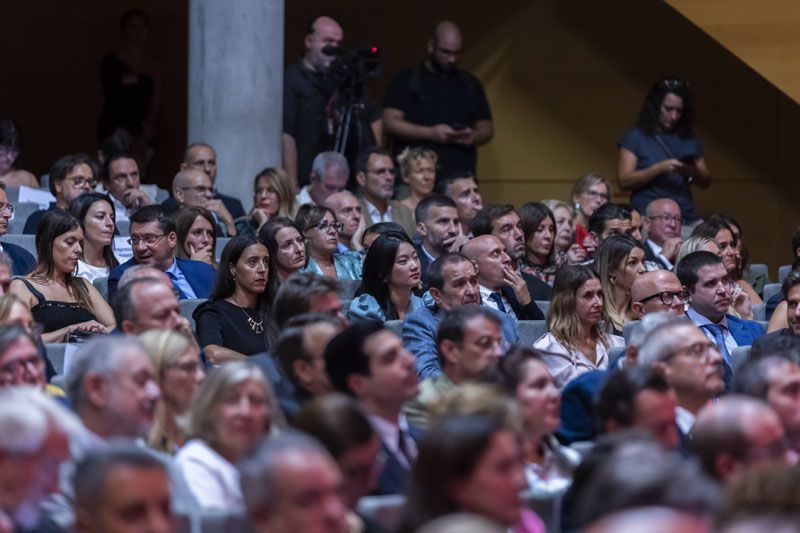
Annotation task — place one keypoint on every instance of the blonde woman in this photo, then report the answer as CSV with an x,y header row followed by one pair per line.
x,y
176,359
273,196
565,231
695,244
575,343
418,170
233,409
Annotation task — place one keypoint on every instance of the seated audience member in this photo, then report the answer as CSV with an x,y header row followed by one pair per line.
x,y
18,261
695,244
656,291
524,376
329,175
5,272
122,180
10,153
391,274
438,227
501,287
192,187
453,283
300,352
376,230
112,481
607,220
736,434
70,177
705,277
575,342
197,238
639,397
342,426
722,234
179,372
653,519
375,175
290,484
33,445
764,499
347,210
321,232
285,244
663,224
273,196
65,305
370,363
589,192
232,410
21,363
95,213
154,239
202,156
565,245
786,318
501,221
237,319
418,171
636,223
462,188
539,228
473,464
146,303
690,364
307,293
619,261
743,272
13,312
469,344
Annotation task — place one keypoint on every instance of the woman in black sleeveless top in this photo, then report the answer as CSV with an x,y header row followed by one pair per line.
x,y
62,303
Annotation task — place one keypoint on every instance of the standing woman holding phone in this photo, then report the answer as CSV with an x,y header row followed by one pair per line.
x,y
660,157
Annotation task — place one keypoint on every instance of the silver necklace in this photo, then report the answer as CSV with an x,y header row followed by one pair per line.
x,y
256,327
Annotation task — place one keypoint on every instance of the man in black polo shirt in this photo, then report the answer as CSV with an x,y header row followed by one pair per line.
x,y
440,106
311,101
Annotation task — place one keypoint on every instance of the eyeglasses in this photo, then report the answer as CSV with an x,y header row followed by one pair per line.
x,y
322,227
595,194
668,297
200,189
149,240
80,181
697,350
17,368
11,208
665,219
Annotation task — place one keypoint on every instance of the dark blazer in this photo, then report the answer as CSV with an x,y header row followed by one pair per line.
x,y
653,258
744,332
424,265
783,332
394,478
530,311
539,289
22,262
233,205
578,411
200,276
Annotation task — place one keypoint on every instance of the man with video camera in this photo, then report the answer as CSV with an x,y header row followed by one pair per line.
x,y
317,92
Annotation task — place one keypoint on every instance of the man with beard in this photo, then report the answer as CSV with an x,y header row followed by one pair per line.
x,y
437,224
439,106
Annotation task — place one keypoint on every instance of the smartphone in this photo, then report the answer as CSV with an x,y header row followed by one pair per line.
x,y
459,126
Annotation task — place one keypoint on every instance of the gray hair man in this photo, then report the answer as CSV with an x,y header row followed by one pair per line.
x,y
329,174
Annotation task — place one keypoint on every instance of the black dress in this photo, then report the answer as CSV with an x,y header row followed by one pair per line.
x,y
225,324
54,315
127,97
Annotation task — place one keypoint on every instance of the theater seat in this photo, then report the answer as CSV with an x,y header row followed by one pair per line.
x,y
385,510
101,284
783,272
530,331
188,307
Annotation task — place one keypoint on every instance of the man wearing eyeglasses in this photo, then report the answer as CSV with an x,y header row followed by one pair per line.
x,y
192,187
21,261
705,278
659,290
70,176
439,106
663,224
153,240
375,174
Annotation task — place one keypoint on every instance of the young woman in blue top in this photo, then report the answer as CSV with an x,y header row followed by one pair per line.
x,y
660,157
391,273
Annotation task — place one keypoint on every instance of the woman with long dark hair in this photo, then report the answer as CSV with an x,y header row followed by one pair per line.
x,y
541,257
286,245
619,261
96,214
237,319
64,304
391,273
197,236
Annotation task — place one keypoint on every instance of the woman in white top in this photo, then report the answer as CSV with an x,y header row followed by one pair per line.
x,y
575,342
233,409
96,214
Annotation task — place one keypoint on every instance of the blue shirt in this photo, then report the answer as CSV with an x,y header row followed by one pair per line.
x,y
180,282
367,307
348,265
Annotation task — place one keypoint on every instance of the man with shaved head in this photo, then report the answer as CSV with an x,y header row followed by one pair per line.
x,y
663,224
348,211
309,121
192,187
659,290
440,106
500,286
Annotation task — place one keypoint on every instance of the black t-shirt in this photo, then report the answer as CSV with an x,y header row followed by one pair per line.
x,y
427,99
225,324
310,115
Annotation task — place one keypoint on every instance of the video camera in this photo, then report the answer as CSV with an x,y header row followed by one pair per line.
x,y
351,68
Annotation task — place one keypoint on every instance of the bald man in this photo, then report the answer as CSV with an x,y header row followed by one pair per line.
x,y
501,287
663,224
439,106
192,187
348,211
659,290
309,127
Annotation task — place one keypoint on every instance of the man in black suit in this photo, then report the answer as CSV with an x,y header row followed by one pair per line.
x,y
440,230
368,361
663,224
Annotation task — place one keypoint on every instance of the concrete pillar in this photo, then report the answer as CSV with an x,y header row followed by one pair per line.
x,y
236,87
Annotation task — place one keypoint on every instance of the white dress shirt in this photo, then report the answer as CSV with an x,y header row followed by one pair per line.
x,y
657,252
390,436
304,197
376,215
684,419
488,302
700,321
212,479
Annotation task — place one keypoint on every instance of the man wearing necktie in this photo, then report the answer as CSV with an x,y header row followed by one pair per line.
x,y
710,296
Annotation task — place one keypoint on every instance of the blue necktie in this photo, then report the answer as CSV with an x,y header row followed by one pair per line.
x,y
496,298
719,339
174,279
